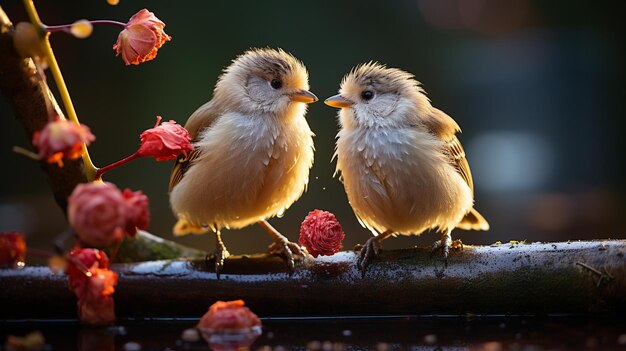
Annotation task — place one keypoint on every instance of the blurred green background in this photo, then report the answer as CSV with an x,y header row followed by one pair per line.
x,y
537,86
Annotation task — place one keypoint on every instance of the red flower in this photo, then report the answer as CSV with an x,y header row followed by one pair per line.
x,y
81,263
229,315
137,212
321,233
93,283
165,142
141,39
61,139
12,249
97,212
95,305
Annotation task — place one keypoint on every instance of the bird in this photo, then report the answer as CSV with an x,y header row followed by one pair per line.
x,y
402,166
253,150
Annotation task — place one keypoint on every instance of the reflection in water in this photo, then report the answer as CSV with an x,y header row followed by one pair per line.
x,y
96,339
400,333
230,339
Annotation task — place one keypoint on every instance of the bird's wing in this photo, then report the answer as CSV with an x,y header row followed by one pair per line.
x,y
444,127
201,119
183,162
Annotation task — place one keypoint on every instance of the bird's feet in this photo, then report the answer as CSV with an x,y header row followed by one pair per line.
x,y
285,248
369,251
219,255
444,245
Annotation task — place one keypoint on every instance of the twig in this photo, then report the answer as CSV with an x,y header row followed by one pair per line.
x,y
602,276
25,152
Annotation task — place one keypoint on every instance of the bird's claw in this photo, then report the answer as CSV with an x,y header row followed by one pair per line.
x,y
444,245
219,255
370,250
290,251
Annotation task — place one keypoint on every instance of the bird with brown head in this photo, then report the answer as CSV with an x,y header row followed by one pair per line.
x,y
401,164
253,149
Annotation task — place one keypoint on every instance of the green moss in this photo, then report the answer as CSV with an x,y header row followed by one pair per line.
x,y
147,247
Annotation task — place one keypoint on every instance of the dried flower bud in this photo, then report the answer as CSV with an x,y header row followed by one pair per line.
x,y
81,29
229,315
12,249
94,284
80,265
26,41
141,39
165,142
96,306
62,139
321,233
229,326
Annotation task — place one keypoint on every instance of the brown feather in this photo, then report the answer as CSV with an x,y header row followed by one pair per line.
x,y
473,221
444,127
183,162
201,119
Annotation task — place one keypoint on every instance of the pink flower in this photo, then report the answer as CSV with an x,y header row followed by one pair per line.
x,y
141,39
165,142
228,315
101,214
321,233
137,212
61,139
12,249
97,212
93,284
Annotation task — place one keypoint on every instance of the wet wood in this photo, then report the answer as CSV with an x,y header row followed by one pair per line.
x,y
549,278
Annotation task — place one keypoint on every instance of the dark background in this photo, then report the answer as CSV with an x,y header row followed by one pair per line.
x,y
537,86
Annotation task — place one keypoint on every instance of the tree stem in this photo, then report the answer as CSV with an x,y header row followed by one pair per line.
x,y
66,27
90,169
114,165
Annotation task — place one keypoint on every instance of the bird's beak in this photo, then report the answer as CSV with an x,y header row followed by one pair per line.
x,y
303,96
338,101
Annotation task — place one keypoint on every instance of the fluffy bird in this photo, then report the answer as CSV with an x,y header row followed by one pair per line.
x,y
253,149
401,164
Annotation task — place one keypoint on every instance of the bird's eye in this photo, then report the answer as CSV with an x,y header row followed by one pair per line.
x,y
367,95
276,84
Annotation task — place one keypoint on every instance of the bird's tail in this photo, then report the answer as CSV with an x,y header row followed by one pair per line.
x,y
473,221
184,227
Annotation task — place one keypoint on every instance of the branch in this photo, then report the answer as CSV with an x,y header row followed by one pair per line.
x,y
29,97
556,278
